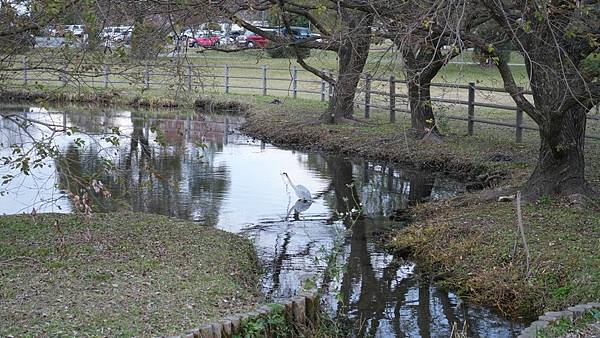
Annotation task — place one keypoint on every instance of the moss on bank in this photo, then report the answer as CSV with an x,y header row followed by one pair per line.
x,y
124,274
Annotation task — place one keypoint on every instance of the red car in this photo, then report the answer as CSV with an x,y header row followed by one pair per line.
x,y
255,40
206,40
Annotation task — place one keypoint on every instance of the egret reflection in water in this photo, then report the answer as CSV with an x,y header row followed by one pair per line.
x,y
300,206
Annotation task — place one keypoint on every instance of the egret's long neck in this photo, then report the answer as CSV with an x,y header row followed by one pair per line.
x,y
289,180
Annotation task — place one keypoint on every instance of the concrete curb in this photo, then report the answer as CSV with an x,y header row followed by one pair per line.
x,y
300,310
572,313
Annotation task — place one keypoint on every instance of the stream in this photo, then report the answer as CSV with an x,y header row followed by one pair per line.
x,y
209,172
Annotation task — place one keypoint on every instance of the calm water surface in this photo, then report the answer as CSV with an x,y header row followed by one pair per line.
x,y
208,172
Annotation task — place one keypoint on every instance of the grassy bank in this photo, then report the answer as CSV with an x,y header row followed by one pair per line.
x,y
119,275
475,248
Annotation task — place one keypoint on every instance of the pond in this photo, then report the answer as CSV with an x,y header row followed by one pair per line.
x,y
203,169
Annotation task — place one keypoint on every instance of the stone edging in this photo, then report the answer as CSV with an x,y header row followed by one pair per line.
x,y
572,313
301,310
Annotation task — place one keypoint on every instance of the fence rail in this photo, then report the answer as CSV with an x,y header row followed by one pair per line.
x,y
374,93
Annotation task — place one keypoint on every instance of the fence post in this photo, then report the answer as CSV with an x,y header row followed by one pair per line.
x,y
471,108
519,123
392,99
322,88
226,81
105,75
189,78
294,81
264,79
519,130
146,77
25,70
367,95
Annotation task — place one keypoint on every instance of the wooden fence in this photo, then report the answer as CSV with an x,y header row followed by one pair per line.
x,y
375,93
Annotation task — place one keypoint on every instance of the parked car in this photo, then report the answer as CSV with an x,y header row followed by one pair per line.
x,y
252,40
76,30
316,36
205,40
117,34
256,41
223,38
299,33
191,33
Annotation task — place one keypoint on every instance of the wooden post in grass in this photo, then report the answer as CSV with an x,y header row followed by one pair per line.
x,y
392,99
189,78
294,81
471,109
25,70
367,96
323,88
264,79
519,130
105,75
226,80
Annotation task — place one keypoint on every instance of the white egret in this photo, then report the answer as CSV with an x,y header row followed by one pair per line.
x,y
301,191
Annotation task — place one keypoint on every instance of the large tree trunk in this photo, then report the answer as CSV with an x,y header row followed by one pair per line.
x,y
562,92
421,66
352,56
422,120
560,169
561,104
341,104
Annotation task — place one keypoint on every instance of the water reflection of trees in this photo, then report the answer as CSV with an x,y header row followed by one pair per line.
x,y
381,189
378,294
178,179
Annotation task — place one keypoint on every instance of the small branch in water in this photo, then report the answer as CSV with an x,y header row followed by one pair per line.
x,y
522,231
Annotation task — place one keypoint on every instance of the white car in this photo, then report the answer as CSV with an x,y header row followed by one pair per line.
x,y
76,30
117,34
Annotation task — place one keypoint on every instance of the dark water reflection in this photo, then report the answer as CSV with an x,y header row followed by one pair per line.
x,y
208,172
